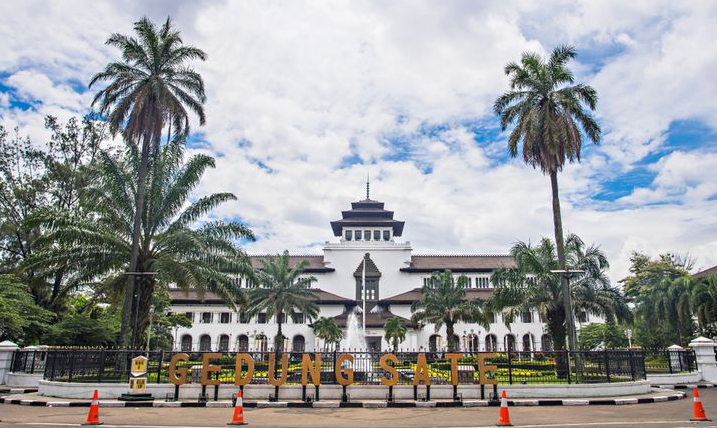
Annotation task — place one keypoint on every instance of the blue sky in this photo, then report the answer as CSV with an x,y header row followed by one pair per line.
x,y
306,98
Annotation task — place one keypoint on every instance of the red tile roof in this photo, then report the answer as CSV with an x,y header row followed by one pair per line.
x,y
459,263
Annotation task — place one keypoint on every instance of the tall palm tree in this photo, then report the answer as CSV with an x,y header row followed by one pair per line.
x,y
328,330
149,88
395,331
443,302
96,242
548,109
280,290
531,284
670,303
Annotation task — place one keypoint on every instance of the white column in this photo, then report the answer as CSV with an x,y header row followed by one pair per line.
x,y
705,354
7,348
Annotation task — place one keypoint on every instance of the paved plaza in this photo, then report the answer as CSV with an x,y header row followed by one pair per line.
x,y
667,414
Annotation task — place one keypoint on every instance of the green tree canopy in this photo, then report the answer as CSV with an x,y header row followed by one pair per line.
x,y
531,285
328,330
443,302
21,320
281,289
178,246
395,331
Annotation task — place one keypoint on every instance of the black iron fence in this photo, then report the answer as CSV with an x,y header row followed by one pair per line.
x,y
555,367
670,361
29,361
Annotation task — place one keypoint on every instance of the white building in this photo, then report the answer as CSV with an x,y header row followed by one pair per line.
x,y
393,277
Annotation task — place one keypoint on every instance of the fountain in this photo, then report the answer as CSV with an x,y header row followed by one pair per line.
x,y
355,338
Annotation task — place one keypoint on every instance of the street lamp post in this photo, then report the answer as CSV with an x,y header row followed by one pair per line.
x,y
569,313
628,334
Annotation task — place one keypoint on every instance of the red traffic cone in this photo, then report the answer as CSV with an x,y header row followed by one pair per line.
x,y
504,418
238,418
93,417
699,411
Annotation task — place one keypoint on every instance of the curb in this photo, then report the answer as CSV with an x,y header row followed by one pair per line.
x,y
685,386
367,404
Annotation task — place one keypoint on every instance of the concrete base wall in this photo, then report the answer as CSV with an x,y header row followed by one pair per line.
x,y
357,392
673,379
23,379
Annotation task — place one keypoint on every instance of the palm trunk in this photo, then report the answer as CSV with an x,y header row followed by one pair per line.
x,y
450,333
129,292
560,246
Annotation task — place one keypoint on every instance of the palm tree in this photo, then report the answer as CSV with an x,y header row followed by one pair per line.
x,y
150,87
669,305
395,331
443,302
549,114
96,241
328,330
704,303
531,284
280,290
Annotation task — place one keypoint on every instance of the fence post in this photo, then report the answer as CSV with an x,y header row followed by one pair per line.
x,y
32,365
510,368
159,366
567,363
705,355
669,360
7,355
607,365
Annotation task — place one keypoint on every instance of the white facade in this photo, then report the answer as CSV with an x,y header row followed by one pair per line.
x,y
397,273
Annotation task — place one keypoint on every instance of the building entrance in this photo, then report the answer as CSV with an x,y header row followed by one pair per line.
x,y
373,343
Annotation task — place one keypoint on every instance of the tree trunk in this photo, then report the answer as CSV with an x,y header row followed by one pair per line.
x,y
127,305
450,333
560,247
279,339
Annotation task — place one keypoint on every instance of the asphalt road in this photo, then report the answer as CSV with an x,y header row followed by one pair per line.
x,y
669,414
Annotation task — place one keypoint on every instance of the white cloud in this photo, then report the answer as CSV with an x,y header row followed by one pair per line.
x,y
307,87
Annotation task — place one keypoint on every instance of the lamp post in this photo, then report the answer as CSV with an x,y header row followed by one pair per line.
x,y
628,334
569,315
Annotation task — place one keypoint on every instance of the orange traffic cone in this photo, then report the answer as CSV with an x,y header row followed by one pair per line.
x,y
504,418
238,418
699,411
93,418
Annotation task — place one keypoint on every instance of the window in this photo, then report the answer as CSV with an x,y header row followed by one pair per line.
x,y
223,343
491,343
205,343
527,343
261,343
434,343
386,235
367,235
299,318
190,316
546,343
376,235
482,282
186,343
207,317
298,344
371,289
348,235
281,319
225,318
249,283
491,318
357,235
244,318
469,282
261,318
242,343
509,342
473,343
526,316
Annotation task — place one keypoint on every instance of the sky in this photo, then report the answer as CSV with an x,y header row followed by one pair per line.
x,y
305,98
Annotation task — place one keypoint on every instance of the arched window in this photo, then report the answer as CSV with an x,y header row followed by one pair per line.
x,y
509,343
186,343
491,343
527,343
205,343
223,343
434,343
242,343
473,343
298,344
546,343
261,343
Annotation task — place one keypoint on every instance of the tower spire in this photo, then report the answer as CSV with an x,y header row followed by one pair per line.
x,y
368,183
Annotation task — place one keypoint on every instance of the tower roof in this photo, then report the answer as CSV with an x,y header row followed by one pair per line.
x,y
367,213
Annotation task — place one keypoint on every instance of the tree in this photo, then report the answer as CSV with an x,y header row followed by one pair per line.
x,y
602,336
531,285
37,176
443,302
661,290
549,113
281,289
95,243
704,303
163,324
150,87
21,320
395,331
85,324
328,330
